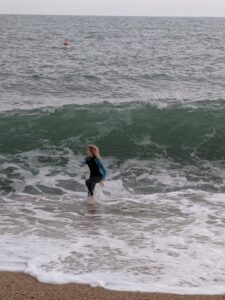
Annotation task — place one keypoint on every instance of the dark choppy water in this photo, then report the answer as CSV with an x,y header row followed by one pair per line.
x,y
151,93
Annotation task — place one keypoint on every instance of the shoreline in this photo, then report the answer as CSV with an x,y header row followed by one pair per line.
x,y
20,286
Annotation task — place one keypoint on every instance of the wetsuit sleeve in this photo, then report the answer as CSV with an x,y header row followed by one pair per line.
x,y
83,162
101,168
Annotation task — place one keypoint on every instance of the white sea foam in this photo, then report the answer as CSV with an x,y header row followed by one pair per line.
x,y
169,242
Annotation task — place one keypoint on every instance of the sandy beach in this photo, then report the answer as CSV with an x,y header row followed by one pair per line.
x,y
19,286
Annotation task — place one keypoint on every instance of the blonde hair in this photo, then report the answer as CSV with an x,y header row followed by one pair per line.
x,y
94,150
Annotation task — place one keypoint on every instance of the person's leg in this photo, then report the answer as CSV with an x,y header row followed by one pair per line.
x,y
90,186
90,183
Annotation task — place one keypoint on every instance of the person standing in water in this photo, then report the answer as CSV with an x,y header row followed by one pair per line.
x,y
97,171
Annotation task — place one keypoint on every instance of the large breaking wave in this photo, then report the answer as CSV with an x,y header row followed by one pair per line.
x,y
124,131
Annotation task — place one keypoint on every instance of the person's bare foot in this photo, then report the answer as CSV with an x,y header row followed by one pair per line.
x,y
91,200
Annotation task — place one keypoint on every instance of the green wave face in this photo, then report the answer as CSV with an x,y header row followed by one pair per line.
x,y
124,131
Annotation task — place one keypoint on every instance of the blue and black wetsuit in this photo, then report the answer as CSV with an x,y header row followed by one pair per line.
x,y
97,173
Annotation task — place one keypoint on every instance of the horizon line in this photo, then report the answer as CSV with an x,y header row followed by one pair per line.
x,y
101,15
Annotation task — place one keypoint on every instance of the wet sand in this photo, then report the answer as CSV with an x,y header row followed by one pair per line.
x,y
19,286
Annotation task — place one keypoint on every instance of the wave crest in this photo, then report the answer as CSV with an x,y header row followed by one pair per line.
x,y
139,131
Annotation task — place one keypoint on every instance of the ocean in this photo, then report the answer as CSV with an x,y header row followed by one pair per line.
x,y
150,92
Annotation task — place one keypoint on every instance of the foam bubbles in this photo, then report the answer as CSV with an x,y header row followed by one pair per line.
x,y
148,240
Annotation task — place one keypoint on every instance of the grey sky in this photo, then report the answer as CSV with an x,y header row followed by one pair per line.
x,y
116,7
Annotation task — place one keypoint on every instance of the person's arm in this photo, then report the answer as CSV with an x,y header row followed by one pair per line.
x,y
83,162
101,168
